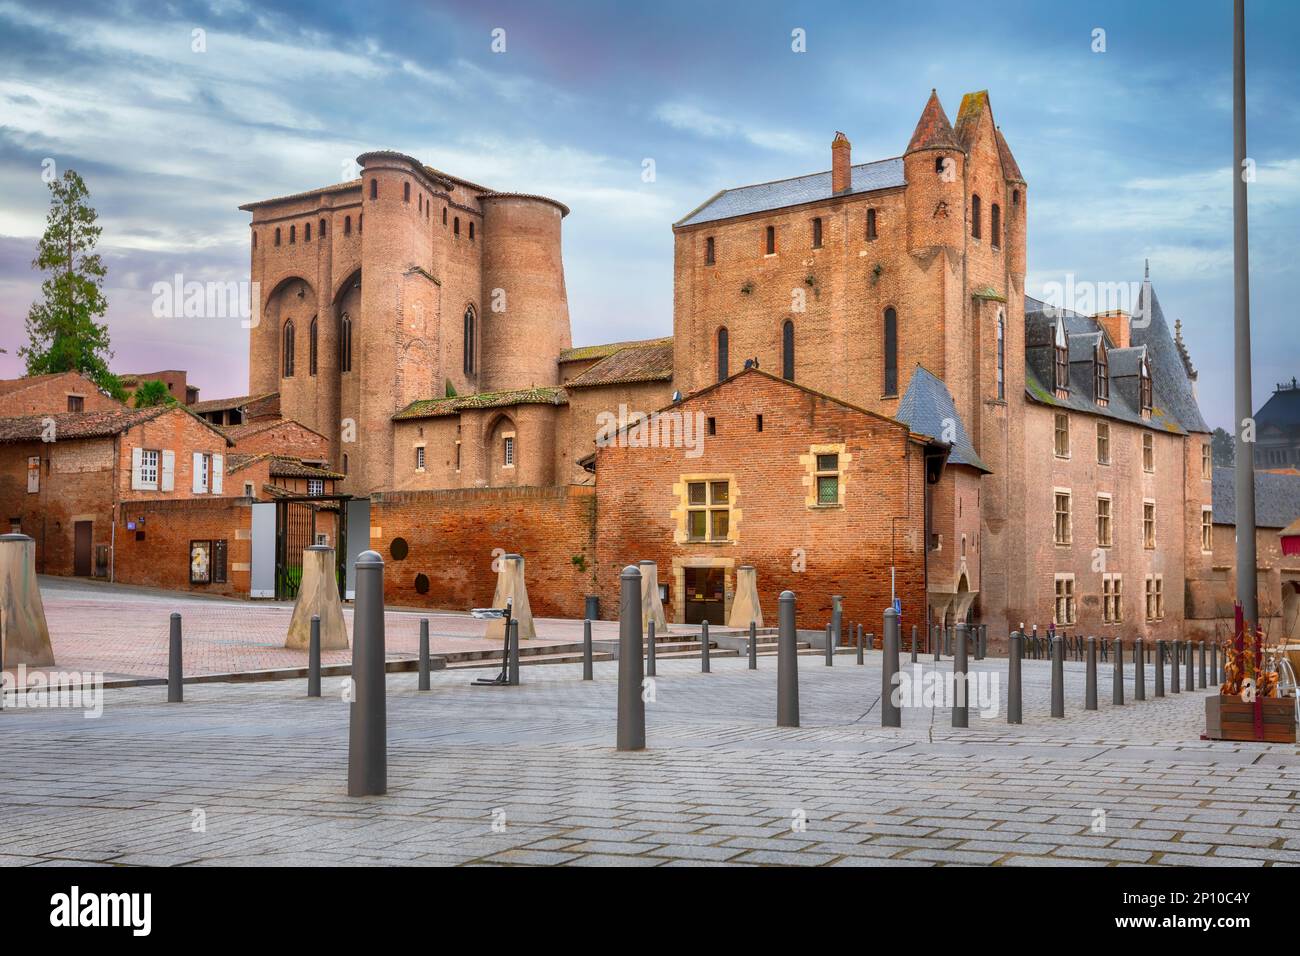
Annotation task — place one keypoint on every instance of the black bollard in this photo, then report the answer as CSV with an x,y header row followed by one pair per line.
x,y
512,643
1035,644
586,650
961,704
753,645
1090,685
1160,668
1117,687
424,653
913,644
1175,663
938,643
367,714
830,646
787,664
704,647
1201,653
175,690
1014,651
982,637
1058,678
631,705
890,714
1191,668
650,650
860,659
313,658
1139,670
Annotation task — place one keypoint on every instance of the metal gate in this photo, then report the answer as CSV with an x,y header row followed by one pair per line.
x,y
301,521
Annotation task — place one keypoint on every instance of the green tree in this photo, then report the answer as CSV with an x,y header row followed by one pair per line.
x,y
62,331
1225,453
152,393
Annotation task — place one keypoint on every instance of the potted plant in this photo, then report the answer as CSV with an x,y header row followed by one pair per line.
x,y
1249,705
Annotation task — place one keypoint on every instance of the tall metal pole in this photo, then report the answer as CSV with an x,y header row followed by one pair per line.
x,y
368,713
1244,404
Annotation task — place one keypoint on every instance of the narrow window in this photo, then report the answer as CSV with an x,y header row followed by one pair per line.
x,y
1002,356
254,240
306,233
347,225
891,352
312,345
1065,606
1101,376
508,458
444,215
345,343
771,240
722,354
1207,462
708,252
1112,598
456,226
322,231
787,350
293,235
1145,384
288,349
1148,453
419,458
1062,535
711,426
361,222
374,189
471,230
1103,443
871,223
817,232
1149,525
940,164
758,424
420,202
469,336
277,235
995,225
828,479
345,463
406,192
1103,522
1061,359
1062,435
975,216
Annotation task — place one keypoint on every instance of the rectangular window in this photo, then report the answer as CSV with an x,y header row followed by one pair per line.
x,y
828,479
1103,443
1149,525
708,252
315,486
1112,598
1065,609
708,510
76,403
33,474
1148,453
1103,521
149,469
419,458
1062,517
817,232
203,479
1207,529
509,460
1062,435
771,240
1207,462
1155,597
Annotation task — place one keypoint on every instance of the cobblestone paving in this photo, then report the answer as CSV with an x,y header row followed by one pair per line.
x,y
264,769
123,631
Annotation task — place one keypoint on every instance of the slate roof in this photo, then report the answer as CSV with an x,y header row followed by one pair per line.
x,y
1282,410
927,408
437,407
583,352
1168,372
1277,498
764,197
638,363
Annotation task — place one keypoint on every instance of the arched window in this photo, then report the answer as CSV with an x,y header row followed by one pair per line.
x,y
975,216
293,235
323,233
306,233
277,235
1002,356
347,225
470,334
722,353
771,240
1015,199
995,225
345,343
312,346
288,349
406,192
455,227
871,223
891,351
471,230
374,189
939,164
787,350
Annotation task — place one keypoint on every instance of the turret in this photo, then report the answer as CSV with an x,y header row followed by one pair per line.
x,y
934,165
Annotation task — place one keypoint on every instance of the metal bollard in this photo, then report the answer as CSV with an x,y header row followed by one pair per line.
x,y
424,651
650,650
753,645
512,670
961,705
913,643
890,715
787,664
1035,644
368,714
1160,668
1139,670
1201,681
837,621
830,646
983,638
938,643
1191,668
860,658
586,650
175,688
1058,678
1090,686
1175,662
1117,686
1014,650
313,658
704,647
631,705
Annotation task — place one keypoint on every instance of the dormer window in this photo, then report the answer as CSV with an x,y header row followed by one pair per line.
x,y
1101,375
1060,358
1144,386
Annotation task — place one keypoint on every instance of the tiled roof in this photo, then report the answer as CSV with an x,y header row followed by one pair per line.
x,y
640,363
1277,498
71,425
284,466
933,131
765,197
583,352
249,429
928,409
11,385
1010,168
973,106
436,407
223,404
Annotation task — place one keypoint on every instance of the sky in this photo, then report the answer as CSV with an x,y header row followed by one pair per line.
x,y
1127,150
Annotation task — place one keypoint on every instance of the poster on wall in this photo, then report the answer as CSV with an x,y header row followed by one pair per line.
x,y
200,562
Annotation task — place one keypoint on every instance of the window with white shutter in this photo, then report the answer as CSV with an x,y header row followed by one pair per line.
x,y
167,481
144,468
218,468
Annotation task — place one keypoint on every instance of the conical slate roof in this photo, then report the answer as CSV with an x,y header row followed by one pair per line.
x,y
933,131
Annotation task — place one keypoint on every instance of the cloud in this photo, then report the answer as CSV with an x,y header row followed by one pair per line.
x,y
690,118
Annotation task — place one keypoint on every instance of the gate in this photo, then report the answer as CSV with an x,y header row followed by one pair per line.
x,y
301,521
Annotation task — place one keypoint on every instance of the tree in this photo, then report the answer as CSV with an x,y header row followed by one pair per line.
x,y
62,331
1225,454
153,393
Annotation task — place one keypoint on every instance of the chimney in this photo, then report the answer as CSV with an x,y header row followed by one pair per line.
x,y
841,164
1116,324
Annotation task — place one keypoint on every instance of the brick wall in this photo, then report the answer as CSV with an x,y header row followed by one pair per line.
x,y
284,438
48,395
156,552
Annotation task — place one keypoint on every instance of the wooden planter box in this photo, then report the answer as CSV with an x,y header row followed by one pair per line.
x,y
1229,718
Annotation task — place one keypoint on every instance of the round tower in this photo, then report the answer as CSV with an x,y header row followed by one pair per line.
x,y
525,322
934,166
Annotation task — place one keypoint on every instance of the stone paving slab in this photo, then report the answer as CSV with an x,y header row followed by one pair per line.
x,y
255,774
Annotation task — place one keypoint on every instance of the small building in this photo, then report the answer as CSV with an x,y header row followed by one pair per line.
x,y
175,380
240,410
53,394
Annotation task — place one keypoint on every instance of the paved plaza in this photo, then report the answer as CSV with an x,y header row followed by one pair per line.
x,y
255,773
